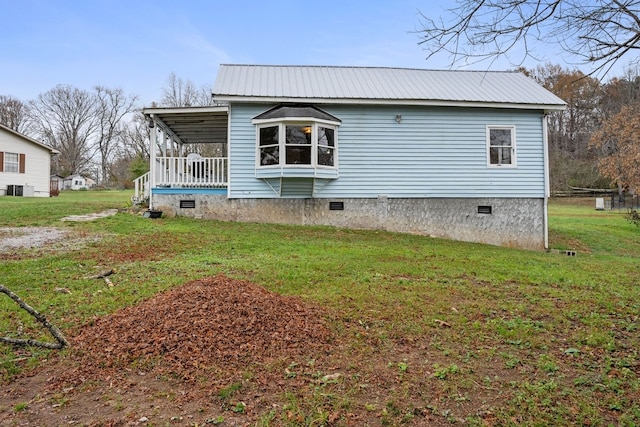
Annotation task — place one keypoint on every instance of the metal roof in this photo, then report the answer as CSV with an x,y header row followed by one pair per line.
x,y
193,125
380,85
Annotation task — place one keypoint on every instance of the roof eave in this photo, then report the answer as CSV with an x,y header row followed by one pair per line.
x,y
29,139
172,110
412,102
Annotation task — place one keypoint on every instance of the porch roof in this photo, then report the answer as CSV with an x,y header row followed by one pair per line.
x,y
192,125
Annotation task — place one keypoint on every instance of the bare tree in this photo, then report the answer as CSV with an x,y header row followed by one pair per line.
x,y
596,32
132,157
64,118
112,106
136,137
184,93
14,113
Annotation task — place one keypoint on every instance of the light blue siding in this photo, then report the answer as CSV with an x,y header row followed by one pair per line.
x,y
431,152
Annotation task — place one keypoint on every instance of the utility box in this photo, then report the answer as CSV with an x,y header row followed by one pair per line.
x,y
599,203
29,191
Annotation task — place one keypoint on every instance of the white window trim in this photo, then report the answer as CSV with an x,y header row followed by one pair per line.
x,y
282,123
514,157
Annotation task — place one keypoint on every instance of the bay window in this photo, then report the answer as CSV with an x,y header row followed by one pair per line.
x,y
296,138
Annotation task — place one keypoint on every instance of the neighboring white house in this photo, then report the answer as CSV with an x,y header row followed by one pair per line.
x,y
454,154
25,165
77,182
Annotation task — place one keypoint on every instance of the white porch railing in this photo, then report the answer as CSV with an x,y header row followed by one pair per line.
x,y
182,172
141,189
185,172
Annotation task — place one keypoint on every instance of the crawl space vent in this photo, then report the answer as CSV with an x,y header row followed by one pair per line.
x,y
187,204
486,210
336,206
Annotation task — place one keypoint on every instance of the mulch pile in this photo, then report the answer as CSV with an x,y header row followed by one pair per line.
x,y
209,323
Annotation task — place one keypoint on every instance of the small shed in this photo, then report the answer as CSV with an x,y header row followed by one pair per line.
x,y
76,182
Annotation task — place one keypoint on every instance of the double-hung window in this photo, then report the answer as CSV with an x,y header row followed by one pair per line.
x,y
296,137
269,145
11,162
326,146
501,146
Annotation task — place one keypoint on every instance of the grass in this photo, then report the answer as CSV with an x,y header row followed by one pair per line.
x,y
534,338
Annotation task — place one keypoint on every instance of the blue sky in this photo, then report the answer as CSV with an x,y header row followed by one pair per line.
x,y
136,44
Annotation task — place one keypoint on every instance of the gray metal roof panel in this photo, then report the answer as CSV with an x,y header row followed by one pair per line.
x,y
379,83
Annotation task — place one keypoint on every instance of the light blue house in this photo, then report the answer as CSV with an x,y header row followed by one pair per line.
x,y
454,154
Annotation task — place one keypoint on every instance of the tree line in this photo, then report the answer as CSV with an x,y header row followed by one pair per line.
x,y
595,141
102,134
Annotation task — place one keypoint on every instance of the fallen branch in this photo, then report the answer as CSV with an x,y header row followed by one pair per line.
x,y
61,340
102,275
442,323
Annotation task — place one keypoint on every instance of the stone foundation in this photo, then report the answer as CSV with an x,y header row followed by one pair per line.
x,y
517,223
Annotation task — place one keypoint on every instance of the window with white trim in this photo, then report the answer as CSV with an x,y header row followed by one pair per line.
x,y
292,143
296,140
501,146
11,162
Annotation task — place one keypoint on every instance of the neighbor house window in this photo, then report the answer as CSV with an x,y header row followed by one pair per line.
x,y
11,162
296,136
501,146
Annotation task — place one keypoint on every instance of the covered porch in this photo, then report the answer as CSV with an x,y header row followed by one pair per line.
x,y
188,150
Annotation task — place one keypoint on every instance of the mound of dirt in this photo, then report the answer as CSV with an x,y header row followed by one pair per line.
x,y
209,323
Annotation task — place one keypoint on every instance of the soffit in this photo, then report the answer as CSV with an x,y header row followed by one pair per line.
x,y
193,125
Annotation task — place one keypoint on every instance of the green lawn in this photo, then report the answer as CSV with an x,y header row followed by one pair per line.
x,y
543,338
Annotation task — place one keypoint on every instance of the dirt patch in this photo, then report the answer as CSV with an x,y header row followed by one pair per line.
x,y
171,358
12,238
27,242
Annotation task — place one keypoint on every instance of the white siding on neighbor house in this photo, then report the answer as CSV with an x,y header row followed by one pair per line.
x,y
432,152
37,164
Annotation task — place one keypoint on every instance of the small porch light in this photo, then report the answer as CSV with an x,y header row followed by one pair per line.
x,y
398,118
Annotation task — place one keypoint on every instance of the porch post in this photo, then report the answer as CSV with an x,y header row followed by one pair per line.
x,y
152,158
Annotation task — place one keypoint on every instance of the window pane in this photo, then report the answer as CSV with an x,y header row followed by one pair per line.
x,y
325,156
325,137
500,137
297,155
500,156
299,135
269,156
269,136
